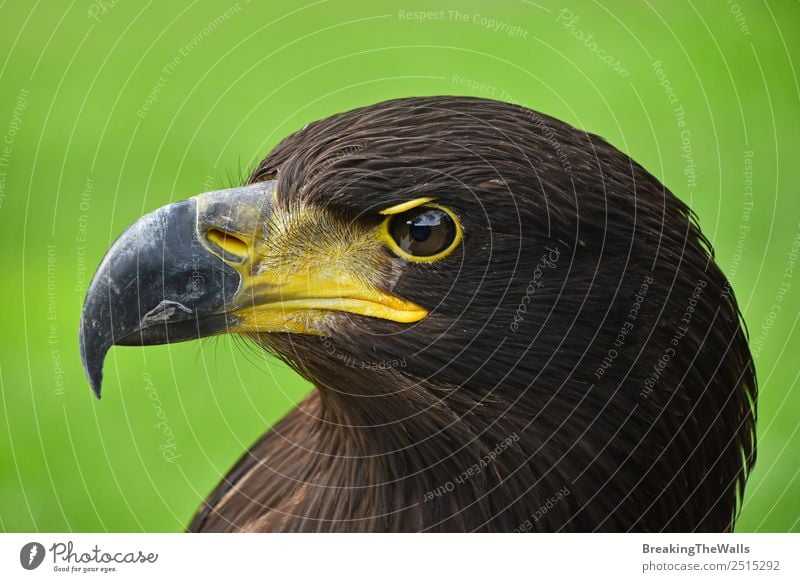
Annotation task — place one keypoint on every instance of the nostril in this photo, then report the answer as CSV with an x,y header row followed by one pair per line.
x,y
230,243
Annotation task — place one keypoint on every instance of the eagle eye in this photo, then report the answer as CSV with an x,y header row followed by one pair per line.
x,y
425,233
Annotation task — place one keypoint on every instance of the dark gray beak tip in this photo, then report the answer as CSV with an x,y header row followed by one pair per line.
x,y
96,382
92,359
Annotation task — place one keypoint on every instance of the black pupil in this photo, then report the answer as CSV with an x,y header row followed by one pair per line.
x,y
423,232
419,232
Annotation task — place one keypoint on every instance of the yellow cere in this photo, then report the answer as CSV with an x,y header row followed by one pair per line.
x,y
290,280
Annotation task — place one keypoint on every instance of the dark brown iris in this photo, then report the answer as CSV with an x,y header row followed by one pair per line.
x,y
423,232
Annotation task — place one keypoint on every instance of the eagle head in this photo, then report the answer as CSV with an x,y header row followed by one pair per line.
x,y
510,325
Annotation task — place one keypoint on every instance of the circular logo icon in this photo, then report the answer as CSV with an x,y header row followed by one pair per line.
x,y
31,555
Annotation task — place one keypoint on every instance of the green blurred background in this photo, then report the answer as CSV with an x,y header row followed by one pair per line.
x,y
111,109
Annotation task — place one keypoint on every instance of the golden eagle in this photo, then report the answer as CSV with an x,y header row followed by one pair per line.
x,y
510,326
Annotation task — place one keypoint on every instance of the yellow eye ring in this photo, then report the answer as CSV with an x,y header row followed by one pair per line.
x,y
386,235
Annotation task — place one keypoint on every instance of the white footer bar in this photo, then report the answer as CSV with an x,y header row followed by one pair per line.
x,y
389,557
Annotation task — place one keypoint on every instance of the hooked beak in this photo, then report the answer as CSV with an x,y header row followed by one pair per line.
x,y
196,268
